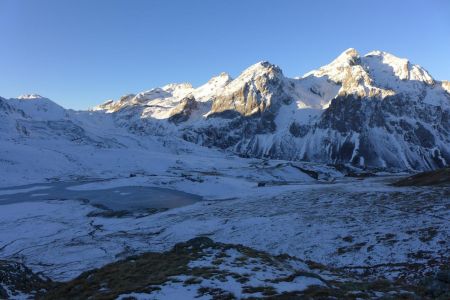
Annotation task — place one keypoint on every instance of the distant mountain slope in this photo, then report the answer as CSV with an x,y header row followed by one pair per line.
x,y
372,111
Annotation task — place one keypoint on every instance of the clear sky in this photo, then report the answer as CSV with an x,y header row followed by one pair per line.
x,y
82,52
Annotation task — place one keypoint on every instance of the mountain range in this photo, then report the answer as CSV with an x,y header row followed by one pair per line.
x,y
375,111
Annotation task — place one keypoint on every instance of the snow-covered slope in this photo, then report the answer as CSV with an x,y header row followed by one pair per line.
x,y
374,111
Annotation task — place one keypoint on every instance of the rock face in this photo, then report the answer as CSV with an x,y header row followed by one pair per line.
x,y
395,132
375,111
257,90
183,111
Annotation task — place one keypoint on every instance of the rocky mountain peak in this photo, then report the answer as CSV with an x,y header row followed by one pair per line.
x,y
178,89
383,64
260,69
222,79
30,97
377,74
347,61
347,58
213,87
224,76
253,91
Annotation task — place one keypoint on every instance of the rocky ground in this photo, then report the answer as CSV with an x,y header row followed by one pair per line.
x,y
203,269
436,177
344,237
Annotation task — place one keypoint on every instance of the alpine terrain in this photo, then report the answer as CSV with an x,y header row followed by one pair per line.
x,y
259,186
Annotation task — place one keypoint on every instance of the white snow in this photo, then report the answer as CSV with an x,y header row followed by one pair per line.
x,y
306,220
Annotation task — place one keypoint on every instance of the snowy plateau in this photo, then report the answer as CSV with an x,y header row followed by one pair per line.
x,y
260,186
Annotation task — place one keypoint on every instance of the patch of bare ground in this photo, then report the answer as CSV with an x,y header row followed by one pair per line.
x,y
436,177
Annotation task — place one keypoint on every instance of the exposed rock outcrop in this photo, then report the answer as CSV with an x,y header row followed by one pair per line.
x,y
183,110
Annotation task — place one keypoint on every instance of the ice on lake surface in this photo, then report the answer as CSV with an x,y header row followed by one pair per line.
x,y
130,198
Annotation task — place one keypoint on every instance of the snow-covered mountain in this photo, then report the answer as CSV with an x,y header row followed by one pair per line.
x,y
372,111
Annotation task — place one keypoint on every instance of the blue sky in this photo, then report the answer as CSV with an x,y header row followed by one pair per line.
x,y
81,52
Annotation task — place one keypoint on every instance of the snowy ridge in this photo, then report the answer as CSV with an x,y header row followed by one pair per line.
x,y
371,111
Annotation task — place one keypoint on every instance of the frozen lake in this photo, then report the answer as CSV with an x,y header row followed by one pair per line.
x,y
129,198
